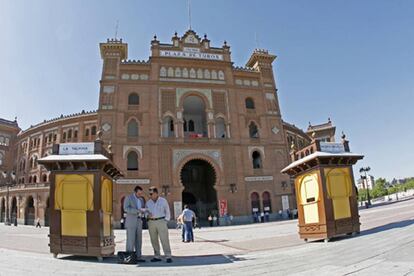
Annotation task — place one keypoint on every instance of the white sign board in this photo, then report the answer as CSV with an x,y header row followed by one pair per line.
x,y
178,208
133,181
332,147
76,148
285,202
258,178
190,54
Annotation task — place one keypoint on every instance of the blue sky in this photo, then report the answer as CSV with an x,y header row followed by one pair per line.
x,y
352,61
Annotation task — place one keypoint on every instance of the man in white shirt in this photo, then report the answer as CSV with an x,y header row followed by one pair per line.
x,y
188,216
159,215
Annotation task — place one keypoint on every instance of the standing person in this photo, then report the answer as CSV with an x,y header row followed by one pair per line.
x,y
188,216
180,225
134,209
38,223
214,220
210,220
159,215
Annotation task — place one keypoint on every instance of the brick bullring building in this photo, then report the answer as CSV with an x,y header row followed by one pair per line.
x,y
186,120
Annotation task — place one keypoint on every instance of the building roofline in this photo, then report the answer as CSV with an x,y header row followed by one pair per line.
x,y
62,117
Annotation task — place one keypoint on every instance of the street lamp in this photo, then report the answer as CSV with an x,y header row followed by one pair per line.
x,y
166,190
365,177
233,188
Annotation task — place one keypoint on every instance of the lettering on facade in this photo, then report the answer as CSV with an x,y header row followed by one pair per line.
x,y
258,178
133,181
190,54
76,148
332,147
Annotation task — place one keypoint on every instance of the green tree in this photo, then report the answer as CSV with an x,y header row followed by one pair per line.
x,y
379,188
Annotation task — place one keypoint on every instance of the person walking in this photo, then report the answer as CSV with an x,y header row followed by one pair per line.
x,y
188,217
135,209
180,225
159,215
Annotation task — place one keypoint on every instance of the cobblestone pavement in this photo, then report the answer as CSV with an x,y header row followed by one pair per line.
x,y
385,247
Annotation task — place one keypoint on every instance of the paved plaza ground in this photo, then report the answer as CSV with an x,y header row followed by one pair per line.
x,y
384,247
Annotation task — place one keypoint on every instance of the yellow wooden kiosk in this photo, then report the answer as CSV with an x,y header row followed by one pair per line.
x,y
326,195
81,189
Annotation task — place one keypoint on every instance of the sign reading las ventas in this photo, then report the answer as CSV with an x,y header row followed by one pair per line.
x,y
186,120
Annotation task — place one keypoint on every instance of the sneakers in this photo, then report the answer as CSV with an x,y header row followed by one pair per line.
x,y
169,260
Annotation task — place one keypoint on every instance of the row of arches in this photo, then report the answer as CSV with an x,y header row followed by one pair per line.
x,y
266,202
191,73
29,211
194,120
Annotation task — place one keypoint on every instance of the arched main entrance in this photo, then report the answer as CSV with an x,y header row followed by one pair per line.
x,y
29,214
3,210
198,178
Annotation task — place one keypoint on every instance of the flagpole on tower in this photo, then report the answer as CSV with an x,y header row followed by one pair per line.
x,y
116,28
189,14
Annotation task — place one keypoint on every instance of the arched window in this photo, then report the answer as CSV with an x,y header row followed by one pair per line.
x,y
170,72
93,130
253,131
64,136
163,72
255,201
221,75
87,132
191,125
220,128
199,73
1,159
249,103
44,177
132,161
132,128
185,73
30,179
267,204
257,160
75,134
192,73
133,99
34,179
69,134
168,127
185,125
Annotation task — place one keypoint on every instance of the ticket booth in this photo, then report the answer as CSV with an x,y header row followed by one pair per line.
x,y
326,195
81,191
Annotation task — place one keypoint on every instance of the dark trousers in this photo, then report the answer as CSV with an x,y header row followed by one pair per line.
x,y
188,228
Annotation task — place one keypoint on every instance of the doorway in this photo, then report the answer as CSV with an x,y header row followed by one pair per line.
x,y
198,178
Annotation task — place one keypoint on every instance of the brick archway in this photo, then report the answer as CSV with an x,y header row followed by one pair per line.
x,y
198,177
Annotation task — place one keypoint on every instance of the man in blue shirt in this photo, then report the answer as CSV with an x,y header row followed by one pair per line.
x,y
188,217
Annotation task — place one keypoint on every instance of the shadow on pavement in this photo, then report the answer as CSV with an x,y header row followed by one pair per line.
x,y
389,226
177,261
